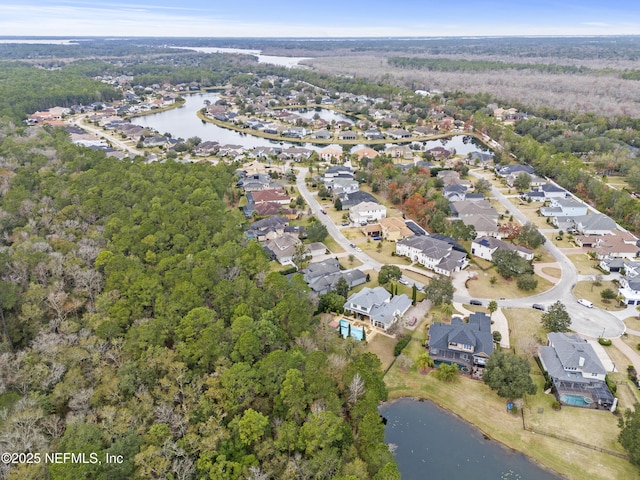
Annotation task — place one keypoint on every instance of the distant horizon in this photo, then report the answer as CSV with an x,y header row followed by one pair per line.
x,y
263,37
331,19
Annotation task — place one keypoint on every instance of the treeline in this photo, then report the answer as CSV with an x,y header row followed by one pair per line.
x,y
449,65
25,89
138,321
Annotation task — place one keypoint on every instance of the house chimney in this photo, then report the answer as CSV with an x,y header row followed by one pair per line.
x,y
581,362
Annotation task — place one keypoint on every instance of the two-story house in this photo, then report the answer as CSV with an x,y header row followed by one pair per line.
x,y
485,247
564,207
577,373
377,306
367,212
466,344
434,254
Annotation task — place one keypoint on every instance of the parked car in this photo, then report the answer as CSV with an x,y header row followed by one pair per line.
x,y
323,211
358,249
404,281
538,306
352,245
345,224
586,303
473,301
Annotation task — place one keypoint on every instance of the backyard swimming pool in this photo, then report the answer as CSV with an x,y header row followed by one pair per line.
x,y
575,400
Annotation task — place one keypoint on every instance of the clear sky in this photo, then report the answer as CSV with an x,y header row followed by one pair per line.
x,y
322,18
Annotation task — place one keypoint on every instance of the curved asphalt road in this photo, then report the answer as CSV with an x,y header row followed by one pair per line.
x,y
592,322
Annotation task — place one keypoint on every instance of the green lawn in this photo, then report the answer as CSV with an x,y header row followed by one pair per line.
x,y
503,288
584,264
591,292
526,331
476,403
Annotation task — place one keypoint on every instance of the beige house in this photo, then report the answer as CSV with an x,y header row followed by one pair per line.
x,y
394,229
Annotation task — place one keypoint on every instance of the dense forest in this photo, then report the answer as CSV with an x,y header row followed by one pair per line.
x,y
138,321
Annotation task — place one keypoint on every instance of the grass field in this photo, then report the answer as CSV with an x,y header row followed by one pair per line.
x,y
591,292
584,264
503,288
525,329
475,402
552,272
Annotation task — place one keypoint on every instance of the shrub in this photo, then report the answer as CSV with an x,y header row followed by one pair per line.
x,y
556,405
403,342
604,341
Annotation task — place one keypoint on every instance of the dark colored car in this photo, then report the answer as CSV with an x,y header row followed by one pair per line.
x,y
537,306
473,301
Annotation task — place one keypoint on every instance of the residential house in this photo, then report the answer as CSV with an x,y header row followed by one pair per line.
x,y
512,169
577,373
480,158
485,247
434,254
340,186
551,190
330,154
204,149
399,151
367,212
255,182
295,153
454,192
377,306
448,177
534,180
365,152
630,283
268,228
322,134
339,171
350,199
620,244
594,224
323,276
483,225
398,133
564,207
466,208
275,195
373,134
283,247
267,209
394,229
439,153
347,135
466,344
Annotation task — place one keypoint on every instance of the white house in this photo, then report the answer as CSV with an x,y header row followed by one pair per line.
x,y
485,247
576,371
434,254
367,212
377,305
564,207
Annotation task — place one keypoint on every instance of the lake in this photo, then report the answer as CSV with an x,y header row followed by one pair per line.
x,y
183,122
288,62
435,444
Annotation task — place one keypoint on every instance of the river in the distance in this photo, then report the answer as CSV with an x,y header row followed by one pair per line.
x,y
434,444
183,122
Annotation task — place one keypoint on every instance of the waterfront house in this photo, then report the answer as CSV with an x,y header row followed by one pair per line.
x,y
577,373
466,344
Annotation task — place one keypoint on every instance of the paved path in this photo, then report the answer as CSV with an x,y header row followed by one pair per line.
x,y
592,322
538,269
627,351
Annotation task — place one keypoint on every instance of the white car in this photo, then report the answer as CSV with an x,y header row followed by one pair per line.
x,y
586,303
403,281
358,249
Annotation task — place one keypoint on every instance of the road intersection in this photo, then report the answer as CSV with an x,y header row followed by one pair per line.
x,y
590,322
